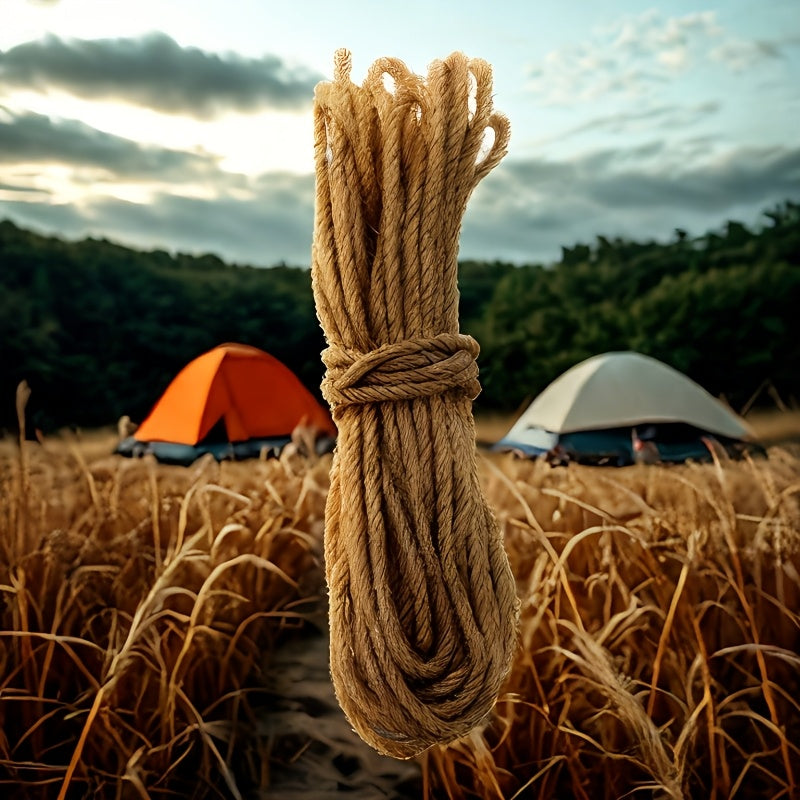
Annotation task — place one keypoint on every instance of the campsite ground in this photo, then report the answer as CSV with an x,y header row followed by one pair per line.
x,y
771,426
176,618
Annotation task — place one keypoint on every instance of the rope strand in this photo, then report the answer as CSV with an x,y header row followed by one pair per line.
x,y
423,608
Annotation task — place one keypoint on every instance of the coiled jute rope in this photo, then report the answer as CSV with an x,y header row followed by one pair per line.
x,y
423,608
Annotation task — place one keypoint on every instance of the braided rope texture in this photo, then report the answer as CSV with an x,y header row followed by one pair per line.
x,y
423,607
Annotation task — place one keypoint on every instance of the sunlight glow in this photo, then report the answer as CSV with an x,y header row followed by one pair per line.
x,y
248,144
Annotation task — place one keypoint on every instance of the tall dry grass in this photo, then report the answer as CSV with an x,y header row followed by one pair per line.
x,y
139,606
660,636
162,633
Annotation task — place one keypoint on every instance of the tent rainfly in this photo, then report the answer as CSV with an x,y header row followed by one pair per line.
x,y
620,407
234,401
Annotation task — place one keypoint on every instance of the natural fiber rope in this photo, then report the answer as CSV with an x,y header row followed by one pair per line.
x,y
423,608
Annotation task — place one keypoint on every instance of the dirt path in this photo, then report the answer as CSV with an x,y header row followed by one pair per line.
x,y
315,755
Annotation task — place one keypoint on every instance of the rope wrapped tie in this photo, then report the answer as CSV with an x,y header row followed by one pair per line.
x,y
422,602
402,371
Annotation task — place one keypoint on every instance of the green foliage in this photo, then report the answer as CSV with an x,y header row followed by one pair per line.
x,y
722,308
99,330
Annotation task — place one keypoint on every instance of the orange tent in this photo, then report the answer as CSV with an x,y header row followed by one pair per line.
x,y
249,392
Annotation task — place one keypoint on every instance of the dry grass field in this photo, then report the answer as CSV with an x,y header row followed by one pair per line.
x,y
162,633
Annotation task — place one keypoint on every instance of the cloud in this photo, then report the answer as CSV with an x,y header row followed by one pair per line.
x,y
35,138
740,55
274,227
637,119
527,210
524,212
749,175
273,224
633,54
13,190
14,187
154,71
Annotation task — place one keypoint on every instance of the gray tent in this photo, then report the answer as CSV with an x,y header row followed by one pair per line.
x,y
614,407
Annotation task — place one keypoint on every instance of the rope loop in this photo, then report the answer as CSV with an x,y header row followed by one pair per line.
x,y
421,367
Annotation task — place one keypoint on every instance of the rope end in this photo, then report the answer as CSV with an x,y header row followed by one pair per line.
x,y
342,65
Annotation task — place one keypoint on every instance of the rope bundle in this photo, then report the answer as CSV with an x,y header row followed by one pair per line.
x,y
423,607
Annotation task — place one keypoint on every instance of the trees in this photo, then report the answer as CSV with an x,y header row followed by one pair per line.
x,y
98,330
720,308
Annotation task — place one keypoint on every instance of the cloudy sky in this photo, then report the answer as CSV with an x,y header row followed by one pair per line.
x,y
187,125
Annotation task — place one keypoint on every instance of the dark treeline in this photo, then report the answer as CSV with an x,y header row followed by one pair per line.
x,y
99,330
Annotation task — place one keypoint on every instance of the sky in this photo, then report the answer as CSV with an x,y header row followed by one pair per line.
x,y
187,125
